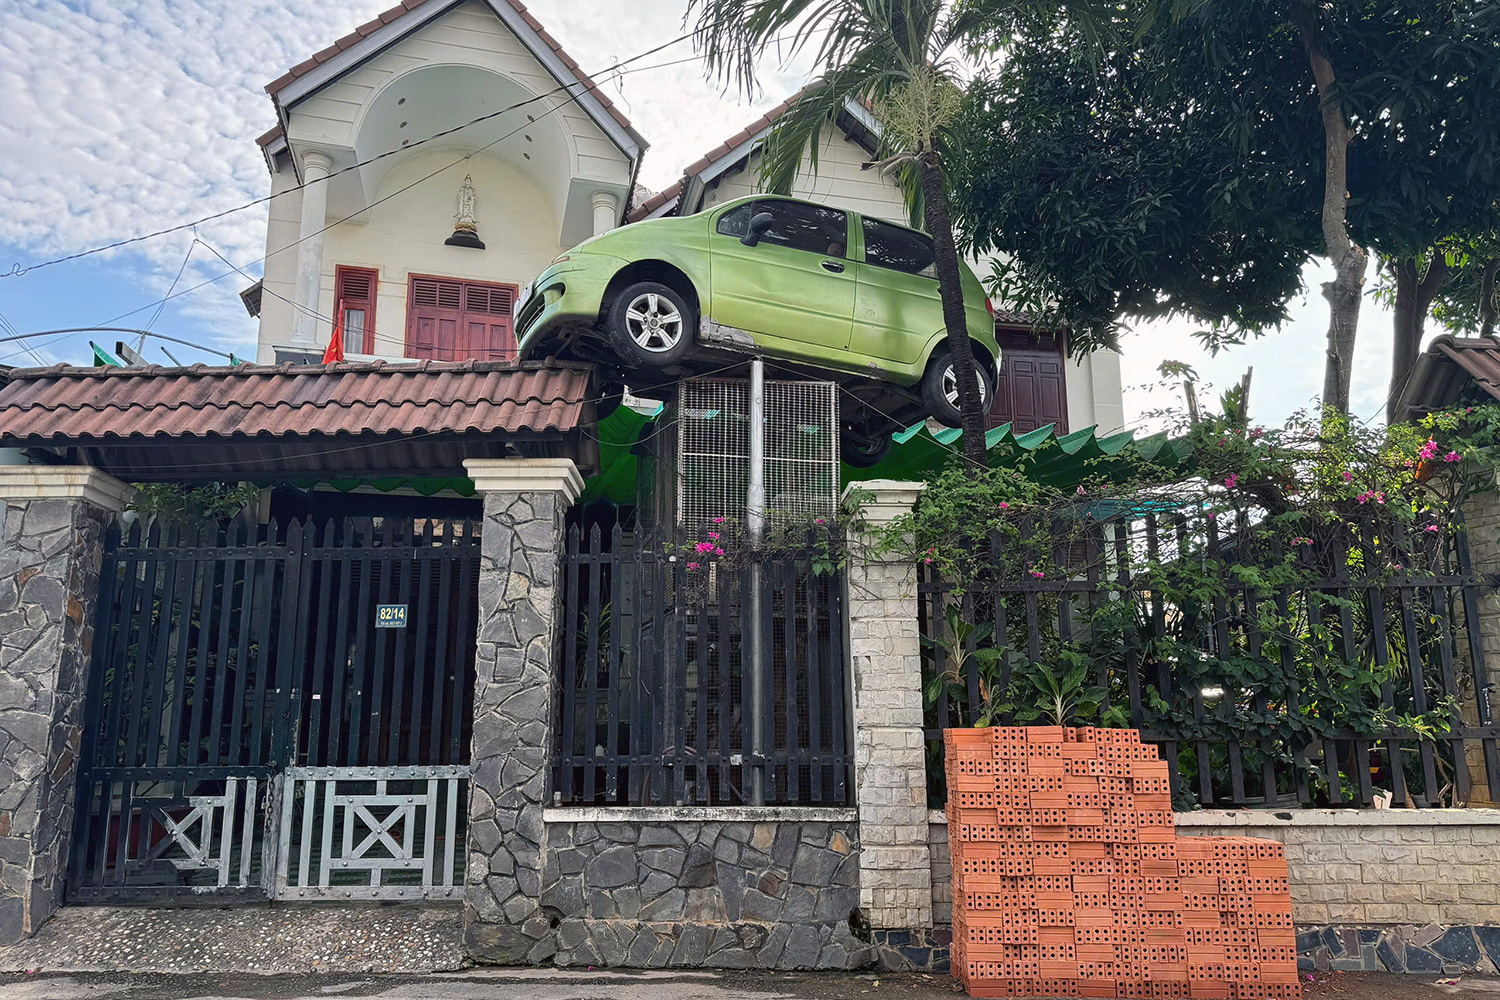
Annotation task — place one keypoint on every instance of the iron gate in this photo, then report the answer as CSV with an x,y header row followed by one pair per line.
x,y
255,692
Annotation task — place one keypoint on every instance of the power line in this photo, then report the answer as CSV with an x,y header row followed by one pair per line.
x,y
617,70
261,260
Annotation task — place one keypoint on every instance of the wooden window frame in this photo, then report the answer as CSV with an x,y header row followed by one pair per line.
x,y
413,277
367,346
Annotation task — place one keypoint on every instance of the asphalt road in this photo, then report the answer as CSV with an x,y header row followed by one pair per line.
x,y
562,984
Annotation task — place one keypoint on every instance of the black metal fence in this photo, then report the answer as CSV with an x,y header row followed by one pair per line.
x,y
659,698
1270,669
224,653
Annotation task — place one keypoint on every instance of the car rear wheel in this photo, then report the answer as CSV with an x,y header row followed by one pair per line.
x,y
649,325
864,451
940,389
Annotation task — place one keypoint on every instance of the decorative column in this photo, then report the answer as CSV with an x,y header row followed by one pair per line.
x,y
51,545
305,323
606,211
519,607
895,870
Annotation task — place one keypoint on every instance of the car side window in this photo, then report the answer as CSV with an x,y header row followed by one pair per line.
x,y
814,228
898,248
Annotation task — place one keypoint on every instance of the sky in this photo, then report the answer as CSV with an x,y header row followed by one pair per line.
x,y
122,117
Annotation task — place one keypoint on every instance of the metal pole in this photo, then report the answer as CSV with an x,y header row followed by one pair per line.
x,y
755,528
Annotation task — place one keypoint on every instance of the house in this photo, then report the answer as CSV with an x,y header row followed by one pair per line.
x,y
379,245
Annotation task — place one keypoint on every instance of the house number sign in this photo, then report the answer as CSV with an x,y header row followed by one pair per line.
x,y
390,616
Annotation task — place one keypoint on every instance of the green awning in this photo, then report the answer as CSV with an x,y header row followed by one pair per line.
x,y
919,454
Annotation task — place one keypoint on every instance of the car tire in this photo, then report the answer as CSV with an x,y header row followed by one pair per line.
x,y
861,451
940,389
649,325
611,395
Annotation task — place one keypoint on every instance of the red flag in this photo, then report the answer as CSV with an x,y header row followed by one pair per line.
x,y
335,351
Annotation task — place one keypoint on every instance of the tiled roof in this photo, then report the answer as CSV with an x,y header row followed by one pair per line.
x,y
63,403
395,13
1446,371
699,165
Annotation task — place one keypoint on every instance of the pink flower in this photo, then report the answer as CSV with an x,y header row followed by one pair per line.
x,y
1037,574
928,560
714,535
1302,541
718,520
1080,491
718,552
1430,527
816,520
1452,456
703,547
1004,505
1348,476
1212,516
693,565
1256,432
1428,450
1232,479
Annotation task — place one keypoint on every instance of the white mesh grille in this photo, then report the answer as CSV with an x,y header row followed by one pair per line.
x,y
708,474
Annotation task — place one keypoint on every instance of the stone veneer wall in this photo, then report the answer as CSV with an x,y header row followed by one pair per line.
x,y
727,888
1395,890
50,552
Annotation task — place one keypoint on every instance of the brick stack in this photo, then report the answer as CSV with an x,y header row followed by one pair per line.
x,y
1069,878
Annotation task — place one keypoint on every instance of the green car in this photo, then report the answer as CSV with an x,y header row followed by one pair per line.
x,y
817,291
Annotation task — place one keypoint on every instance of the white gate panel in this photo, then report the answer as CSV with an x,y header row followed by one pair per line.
x,y
372,832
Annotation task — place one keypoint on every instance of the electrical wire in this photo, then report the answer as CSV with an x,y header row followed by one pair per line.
x,y
617,70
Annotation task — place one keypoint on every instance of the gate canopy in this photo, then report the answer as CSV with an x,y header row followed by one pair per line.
x,y
295,421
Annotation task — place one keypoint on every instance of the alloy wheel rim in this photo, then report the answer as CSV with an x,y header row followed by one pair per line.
x,y
654,322
950,387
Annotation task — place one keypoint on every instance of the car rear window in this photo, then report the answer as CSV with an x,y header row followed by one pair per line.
x,y
898,248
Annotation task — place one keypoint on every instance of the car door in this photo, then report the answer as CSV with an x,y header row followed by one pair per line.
x,y
897,308
795,288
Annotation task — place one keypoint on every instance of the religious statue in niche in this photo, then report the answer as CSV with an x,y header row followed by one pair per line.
x,y
466,220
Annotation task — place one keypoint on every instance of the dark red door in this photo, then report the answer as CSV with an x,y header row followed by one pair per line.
x,y
450,320
1033,389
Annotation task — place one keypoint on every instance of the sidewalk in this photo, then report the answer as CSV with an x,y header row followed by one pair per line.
x,y
580,984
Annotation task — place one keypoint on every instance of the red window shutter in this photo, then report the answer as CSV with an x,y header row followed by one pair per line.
x,y
355,289
1033,390
450,320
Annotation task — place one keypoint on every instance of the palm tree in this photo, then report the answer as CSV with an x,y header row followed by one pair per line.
x,y
894,56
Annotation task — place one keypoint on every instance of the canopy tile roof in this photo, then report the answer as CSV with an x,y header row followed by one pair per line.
x,y
365,417
1451,369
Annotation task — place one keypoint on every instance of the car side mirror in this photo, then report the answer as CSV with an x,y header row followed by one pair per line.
x,y
760,224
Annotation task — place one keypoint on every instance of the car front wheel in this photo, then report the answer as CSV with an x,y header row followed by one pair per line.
x,y
649,325
940,389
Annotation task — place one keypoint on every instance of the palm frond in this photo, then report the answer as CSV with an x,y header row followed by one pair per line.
x,y
798,133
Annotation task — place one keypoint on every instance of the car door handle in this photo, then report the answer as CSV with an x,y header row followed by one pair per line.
x,y
834,266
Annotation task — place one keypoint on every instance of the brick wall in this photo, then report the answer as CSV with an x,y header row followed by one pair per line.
x,y
1398,890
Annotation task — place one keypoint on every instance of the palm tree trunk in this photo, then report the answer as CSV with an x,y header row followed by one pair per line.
x,y
950,289
1487,300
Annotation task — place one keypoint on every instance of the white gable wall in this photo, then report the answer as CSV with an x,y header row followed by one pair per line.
x,y
534,187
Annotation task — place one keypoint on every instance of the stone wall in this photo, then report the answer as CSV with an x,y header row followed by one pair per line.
x,y
50,552
727,888
1397,890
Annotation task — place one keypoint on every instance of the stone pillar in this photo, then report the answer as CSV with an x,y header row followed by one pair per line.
x,y
1482,517
520,600
305,322
53,519
895,871
606,211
